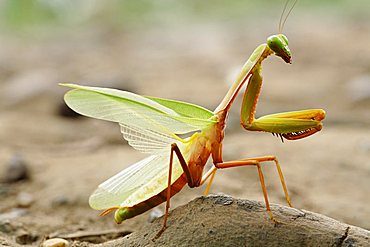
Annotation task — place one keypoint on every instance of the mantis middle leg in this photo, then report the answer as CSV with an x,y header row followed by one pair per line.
x,y
253,162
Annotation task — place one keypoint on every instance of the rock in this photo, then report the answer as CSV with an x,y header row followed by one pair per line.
x,y
226,221
16,169
25,238
60,200
55,242
24,200
6,227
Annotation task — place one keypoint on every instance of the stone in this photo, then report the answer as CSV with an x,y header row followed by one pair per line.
x,y
24,200
25,238
55,242
16,169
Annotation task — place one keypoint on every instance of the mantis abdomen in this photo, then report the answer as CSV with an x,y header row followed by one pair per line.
x,y
129,212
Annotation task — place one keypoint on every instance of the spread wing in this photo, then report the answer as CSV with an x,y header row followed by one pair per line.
x,y
135,184
132,110
150,125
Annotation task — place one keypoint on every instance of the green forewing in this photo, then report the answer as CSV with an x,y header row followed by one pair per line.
x,y
134,110
184,109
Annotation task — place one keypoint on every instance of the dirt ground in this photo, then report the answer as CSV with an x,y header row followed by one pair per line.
x,y
68,157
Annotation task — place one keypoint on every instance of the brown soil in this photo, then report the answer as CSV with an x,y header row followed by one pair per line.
x,y
67,158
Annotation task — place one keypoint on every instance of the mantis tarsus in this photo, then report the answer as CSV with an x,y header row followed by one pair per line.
x,y
154,126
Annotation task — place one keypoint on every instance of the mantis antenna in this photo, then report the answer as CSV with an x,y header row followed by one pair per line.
x,y
281,21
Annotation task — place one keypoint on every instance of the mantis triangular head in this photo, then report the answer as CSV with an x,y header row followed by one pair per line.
x,y
279,45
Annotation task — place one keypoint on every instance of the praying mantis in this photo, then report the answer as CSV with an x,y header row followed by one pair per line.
x,y
155,126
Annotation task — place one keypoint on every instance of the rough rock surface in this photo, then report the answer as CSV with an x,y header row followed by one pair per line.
x,y
225,221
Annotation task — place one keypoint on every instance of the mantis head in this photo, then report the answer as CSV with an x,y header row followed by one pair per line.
x,y
278,43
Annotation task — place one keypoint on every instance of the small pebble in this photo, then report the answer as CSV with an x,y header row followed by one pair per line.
x,y
60,200
25,238
16,169
55,242
6,227
24,200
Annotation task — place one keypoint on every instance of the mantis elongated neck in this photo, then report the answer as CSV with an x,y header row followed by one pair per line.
x,y
258,55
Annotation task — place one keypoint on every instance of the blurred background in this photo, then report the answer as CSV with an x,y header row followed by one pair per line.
x,y
51,160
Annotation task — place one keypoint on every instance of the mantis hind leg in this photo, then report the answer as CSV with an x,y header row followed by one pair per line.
x,y
257,162
174,149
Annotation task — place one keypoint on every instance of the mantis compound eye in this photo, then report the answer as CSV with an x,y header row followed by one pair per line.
x,y
279,45
284,38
